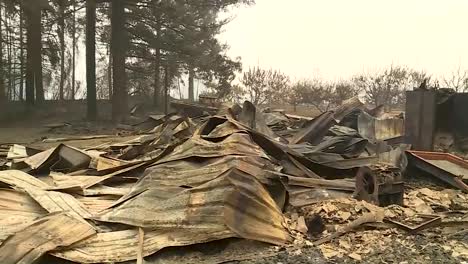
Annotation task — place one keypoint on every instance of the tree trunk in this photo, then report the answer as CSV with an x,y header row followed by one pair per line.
x,y
29,56
166,90
36,49
2,81
11,93
73,89
157,79
109,72
62,47
21,46
157,60
91,59
190,84
118,47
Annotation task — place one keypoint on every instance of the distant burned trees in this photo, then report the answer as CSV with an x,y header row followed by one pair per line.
x,y
265,86
323,95
274,87
457,80
389,86
386,87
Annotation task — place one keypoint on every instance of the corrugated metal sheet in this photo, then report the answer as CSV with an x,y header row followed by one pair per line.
x,y
317,129
77,184
380,129
235,144
103,178
97,204
223,130
420,119
122,246
59,202
347,107
233,205
17,210
251,212
64,181
60,158
44,235
20,180
194,172
234,193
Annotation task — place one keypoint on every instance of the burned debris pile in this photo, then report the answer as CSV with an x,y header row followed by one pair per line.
x,y
245,173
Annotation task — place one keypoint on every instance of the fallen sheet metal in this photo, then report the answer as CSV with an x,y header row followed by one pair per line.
x,y
97,204
19,151
20,180
380,129
349,147
235,144
49,200
120,246
61,158
342,185
248,211
54,140
347,107
17,210
46,234
193,173
251,117
221,203
59,202
303,196
317,129
446,167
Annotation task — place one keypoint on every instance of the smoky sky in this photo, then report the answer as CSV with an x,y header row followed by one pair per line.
x,y
336,39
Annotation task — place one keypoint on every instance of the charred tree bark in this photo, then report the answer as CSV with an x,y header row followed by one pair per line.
x,y
62,47
157,79
91,59
109,72
119,48
11,92
36,49
73,89
2,80
29,56
157,59
166,90
21,46
191,84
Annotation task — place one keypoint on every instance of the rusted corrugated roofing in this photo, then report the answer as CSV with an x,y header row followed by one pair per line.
x,y
59,202
20,180
235,144
45,234
209,203
17,210
96,204
119,246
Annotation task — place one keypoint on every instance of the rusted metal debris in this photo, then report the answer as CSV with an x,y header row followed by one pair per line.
x,y
381,185
316,130
43,235
443,166
429,221
184,181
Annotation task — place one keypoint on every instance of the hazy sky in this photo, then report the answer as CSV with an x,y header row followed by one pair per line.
x,y
338,38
